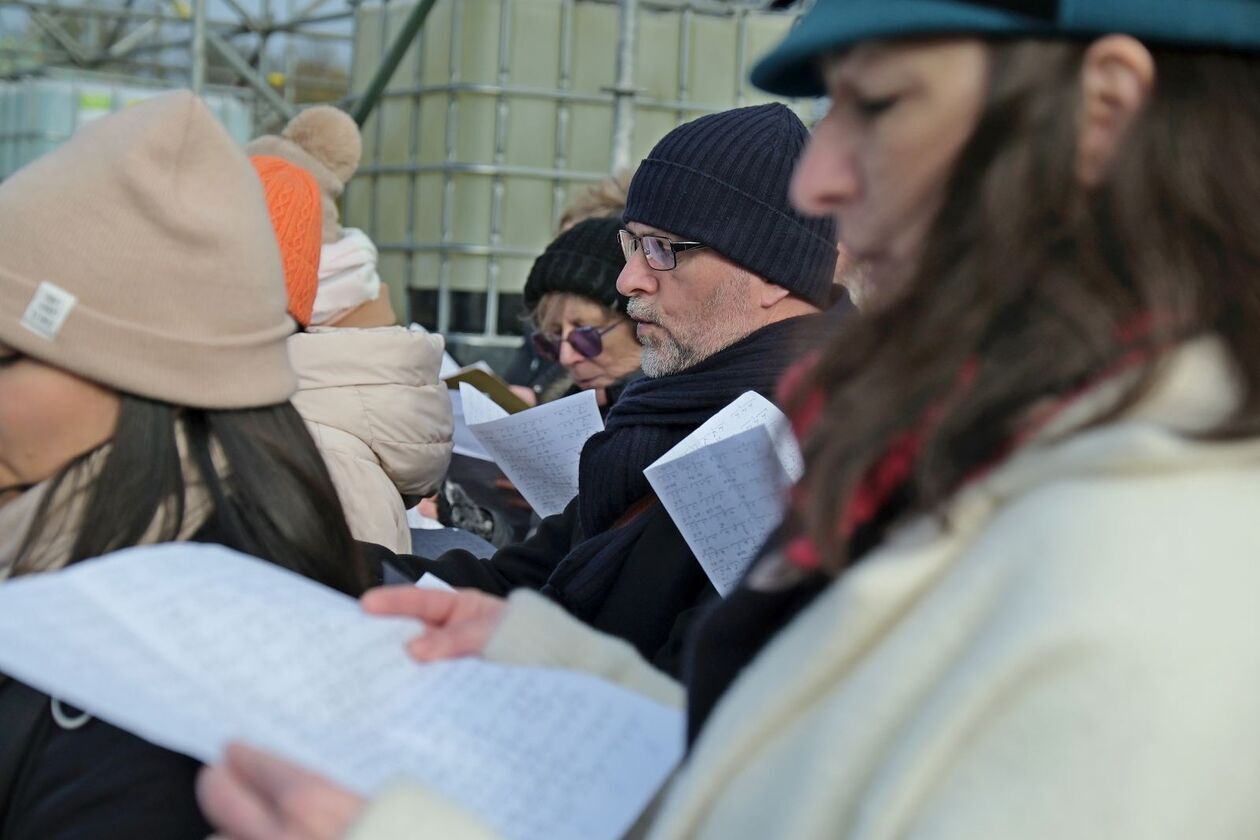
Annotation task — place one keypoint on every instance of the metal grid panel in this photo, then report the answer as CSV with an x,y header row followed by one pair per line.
x,y
175,42
606,101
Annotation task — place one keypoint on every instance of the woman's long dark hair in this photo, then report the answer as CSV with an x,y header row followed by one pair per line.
x,y
271,493
1033,283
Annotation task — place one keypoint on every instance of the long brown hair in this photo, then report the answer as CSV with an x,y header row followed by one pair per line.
x,y
1030,282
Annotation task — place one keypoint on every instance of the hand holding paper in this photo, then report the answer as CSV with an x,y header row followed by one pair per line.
x,y
192,646
456,622
253,794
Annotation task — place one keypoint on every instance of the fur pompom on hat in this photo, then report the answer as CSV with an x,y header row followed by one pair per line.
x,y
293,200
325,142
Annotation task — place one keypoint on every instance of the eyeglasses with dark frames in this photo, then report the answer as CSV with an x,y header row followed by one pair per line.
x,y
587,341
661,252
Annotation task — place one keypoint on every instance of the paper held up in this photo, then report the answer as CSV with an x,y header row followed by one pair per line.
x,y
464,441
191,646
480,375
724,485
485,380
539,449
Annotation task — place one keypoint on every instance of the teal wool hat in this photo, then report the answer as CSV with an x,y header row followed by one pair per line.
x,y
790,70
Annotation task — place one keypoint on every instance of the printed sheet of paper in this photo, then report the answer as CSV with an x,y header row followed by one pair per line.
x,y
489,383
538,449
749,410
465,443
724,485
191,646
428,580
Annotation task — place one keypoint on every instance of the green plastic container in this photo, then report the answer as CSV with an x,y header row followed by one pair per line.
x,y
503,109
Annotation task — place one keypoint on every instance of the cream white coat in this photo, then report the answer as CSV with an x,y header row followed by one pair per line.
x,y
380,417
1072,651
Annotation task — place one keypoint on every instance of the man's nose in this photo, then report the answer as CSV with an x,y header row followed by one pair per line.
x,y
637,278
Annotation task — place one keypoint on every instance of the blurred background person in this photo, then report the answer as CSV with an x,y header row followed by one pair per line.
x,y
534,378
579,317
367,388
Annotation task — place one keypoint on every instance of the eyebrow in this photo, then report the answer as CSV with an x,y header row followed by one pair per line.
x,y
649,230
833,66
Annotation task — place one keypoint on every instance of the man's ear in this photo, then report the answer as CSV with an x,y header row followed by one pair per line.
x,y
1117,77
770,294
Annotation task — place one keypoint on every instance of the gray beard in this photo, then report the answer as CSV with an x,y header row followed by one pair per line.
x,y
667,357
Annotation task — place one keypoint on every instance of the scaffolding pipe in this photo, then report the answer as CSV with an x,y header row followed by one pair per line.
x,y
228,27
241,67
372,94
623,93
247,19
132,39
104,12
63,38
199,47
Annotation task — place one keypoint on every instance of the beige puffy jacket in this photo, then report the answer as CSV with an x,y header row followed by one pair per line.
x,y
380,417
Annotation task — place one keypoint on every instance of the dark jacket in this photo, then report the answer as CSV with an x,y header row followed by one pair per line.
x,y
94,782
628,571
659,591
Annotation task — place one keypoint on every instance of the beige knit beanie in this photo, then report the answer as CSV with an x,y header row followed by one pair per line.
x,y
325,141
140,255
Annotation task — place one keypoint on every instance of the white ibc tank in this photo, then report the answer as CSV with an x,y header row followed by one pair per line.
x,y
502,110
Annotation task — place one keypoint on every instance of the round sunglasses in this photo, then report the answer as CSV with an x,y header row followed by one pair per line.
x,y
587,341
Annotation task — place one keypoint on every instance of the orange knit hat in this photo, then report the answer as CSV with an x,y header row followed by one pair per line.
x,y
293,200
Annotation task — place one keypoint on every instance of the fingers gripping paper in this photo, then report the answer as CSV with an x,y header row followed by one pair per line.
x,y
724,485
538,449
190,646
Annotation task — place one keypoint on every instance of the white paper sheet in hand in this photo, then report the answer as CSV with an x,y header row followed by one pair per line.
x,y
465,443
724,485
191,646
537,449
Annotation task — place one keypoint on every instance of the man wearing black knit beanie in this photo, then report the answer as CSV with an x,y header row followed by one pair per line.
x,y
725,282
721,181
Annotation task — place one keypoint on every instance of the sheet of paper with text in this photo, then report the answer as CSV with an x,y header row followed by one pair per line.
x,y
725,485
192,645
538,449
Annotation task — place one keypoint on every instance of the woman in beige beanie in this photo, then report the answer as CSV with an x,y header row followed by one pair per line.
x,y
144,397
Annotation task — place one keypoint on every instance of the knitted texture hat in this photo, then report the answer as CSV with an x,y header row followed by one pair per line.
x,y
791,68
325,142
584,260
723,180
293,202
139,255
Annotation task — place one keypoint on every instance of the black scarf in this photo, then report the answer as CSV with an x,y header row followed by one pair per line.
x,y
650,418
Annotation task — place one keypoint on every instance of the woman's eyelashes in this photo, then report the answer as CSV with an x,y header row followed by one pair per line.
x,y
871,107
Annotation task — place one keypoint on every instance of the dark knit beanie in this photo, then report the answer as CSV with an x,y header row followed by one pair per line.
x,y
723,180
584,260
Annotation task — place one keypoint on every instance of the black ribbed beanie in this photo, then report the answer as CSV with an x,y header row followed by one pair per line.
x,y
723,180
584,260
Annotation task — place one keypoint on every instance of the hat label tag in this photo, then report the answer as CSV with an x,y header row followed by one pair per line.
x,y
48,310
